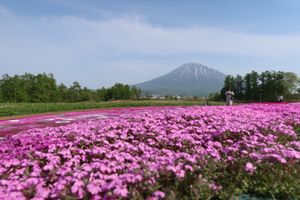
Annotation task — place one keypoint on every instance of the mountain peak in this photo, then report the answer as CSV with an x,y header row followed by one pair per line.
x,y
193,71
188,79
192,65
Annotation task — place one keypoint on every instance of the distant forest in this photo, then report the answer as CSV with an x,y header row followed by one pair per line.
x,y
253,87
44,88
265,86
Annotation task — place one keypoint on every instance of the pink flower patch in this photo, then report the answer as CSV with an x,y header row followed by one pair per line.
x,y
250,168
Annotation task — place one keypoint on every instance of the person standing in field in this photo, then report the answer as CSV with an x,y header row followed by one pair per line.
x,y
280,99
229,97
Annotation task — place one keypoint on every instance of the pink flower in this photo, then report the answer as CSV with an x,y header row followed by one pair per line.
x,y
15,195
87,168
188,167
77,188
215,187
250,168
122,192
42,193
48,167
180,173
93,188
104,157
32,181
159,194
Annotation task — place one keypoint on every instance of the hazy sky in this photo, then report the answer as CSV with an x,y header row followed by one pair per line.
x,y
100,42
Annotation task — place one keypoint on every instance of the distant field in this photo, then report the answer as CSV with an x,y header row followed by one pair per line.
x,y
14,109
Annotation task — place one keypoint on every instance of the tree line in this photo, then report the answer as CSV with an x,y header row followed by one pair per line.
x,y
44,88
265,86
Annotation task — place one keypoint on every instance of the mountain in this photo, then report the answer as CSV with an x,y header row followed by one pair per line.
x,y
190,79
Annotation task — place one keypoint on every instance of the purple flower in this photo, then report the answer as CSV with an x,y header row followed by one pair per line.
x,y
105,157
121,192
93,188
159,194
250,168
41,193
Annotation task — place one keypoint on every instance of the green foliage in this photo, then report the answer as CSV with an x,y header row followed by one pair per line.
x,y
266,86
215,97
239,87
251,86
74,92
28,88
63,93
291,81
42,88
118,92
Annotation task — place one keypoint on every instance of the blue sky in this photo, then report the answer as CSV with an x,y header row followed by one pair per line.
x,y
99,42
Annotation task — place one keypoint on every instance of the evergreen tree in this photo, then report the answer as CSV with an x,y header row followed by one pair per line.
x,y
239,87
266,86
228,84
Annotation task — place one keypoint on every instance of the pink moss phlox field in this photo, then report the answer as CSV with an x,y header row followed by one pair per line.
x,y
121,156
13,126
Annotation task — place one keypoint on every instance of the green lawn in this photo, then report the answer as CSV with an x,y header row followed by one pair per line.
x,y
15,109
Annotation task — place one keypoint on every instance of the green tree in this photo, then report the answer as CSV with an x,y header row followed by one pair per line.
x,y
63,93
41,88
86,94
228,84
291,81
239,87
272,85
266,79
9,88
215,97
135,92
255,85
252,89
279,84
266,86
102,94
44,88
120,91
75,92
28,80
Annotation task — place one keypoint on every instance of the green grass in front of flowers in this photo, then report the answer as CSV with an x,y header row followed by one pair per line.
x,y
15,109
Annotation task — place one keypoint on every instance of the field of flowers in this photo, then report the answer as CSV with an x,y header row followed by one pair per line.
x,y
194,152
12,126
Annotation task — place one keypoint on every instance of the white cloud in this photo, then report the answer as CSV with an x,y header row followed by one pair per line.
x,y
130,34
72,41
